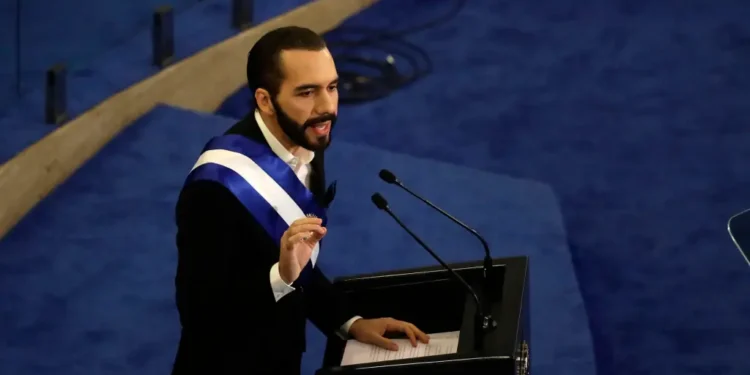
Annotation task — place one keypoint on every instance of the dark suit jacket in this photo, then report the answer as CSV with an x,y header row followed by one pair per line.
x,y
231,323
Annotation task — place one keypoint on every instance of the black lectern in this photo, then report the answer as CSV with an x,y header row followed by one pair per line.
x,y
432,300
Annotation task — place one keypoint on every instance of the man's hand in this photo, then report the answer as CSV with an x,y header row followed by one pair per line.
x,y
297,244
371,331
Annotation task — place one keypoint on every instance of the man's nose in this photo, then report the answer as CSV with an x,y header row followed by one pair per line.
x,y
325,103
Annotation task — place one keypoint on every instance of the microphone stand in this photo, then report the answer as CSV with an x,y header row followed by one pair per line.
x,y
488,278
483,321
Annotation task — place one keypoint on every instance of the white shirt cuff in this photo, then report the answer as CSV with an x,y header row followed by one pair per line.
x,y
344,330
279,287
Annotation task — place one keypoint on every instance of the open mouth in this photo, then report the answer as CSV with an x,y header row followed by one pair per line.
x,y
322,128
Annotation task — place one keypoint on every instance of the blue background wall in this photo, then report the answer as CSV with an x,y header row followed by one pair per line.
x,y
8,52
76,32
609,138
106,47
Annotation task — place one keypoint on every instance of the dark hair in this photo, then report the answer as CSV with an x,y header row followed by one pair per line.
x,y
263,60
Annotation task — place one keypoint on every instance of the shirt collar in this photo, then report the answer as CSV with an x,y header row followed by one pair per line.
x,y
303,155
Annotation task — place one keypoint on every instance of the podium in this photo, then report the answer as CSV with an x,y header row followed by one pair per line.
x,y
434,302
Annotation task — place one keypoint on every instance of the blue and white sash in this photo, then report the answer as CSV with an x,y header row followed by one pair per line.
x,y
266,185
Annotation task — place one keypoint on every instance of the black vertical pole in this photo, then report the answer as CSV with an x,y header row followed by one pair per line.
x,y
162,36
242,14
56,95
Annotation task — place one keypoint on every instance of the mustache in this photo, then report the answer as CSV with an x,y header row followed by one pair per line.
x,y
317,120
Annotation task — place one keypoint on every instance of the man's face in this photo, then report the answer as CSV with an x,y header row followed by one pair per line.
x,y
306,106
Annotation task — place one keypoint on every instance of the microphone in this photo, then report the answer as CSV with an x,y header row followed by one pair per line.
x,y
483,321
391,178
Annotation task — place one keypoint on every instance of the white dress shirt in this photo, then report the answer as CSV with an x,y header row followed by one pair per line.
x,y
300,164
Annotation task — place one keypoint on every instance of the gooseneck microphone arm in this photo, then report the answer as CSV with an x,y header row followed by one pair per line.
x,y
391,178
488,279
453,273
483,320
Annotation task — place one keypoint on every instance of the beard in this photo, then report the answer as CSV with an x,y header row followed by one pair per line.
x,y
297,132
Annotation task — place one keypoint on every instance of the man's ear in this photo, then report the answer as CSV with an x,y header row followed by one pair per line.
x,y
263,101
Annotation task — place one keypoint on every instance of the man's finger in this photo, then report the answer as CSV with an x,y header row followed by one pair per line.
x,y
315,236
304,228
299,237
399,326
307,220
410,333
421,336
384,343
295,239
309,231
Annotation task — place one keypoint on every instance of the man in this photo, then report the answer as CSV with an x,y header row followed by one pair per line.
x,y
251,218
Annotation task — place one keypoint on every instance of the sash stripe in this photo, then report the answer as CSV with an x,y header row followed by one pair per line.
x,y
262,195
253,201
277,169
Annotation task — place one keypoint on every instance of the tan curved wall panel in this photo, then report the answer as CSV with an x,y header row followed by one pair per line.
x,y
200,82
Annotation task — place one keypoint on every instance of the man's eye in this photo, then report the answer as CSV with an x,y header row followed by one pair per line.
x,y
333,87
306,93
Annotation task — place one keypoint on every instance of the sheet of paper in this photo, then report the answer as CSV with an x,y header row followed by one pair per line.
x,y
440,343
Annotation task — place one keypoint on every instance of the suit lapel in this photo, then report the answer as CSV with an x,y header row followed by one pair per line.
x,y
318,178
